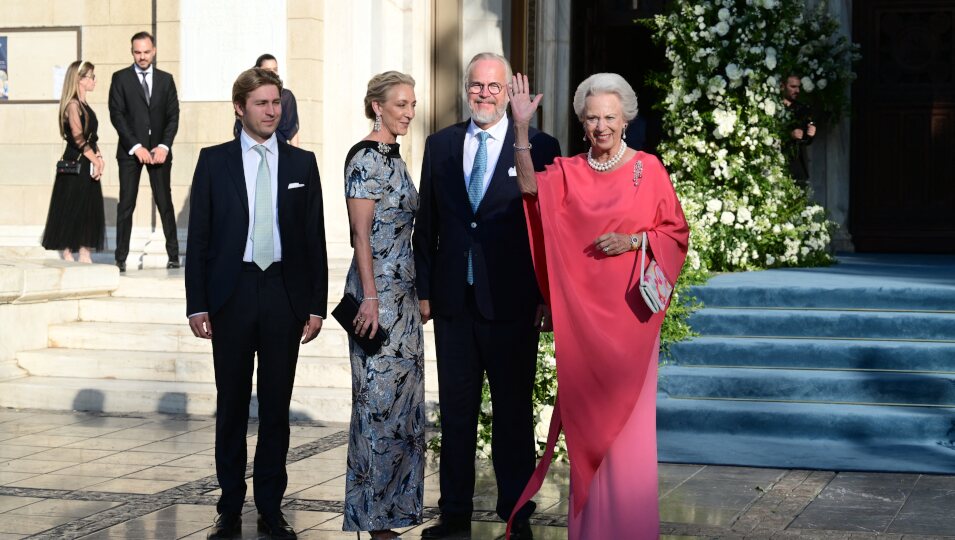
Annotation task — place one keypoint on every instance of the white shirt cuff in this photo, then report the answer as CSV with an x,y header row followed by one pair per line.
x,y
197,314
134,148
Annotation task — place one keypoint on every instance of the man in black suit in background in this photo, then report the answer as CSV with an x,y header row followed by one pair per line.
x,y
256,273
475,278
144,109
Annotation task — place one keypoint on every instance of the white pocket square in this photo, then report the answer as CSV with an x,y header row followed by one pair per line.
x,y
512,171
294,185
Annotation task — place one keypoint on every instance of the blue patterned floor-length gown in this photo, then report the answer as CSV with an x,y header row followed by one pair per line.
x,y
386,448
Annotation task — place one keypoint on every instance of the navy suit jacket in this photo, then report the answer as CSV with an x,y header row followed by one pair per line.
x,y
219,225
137,122
505,286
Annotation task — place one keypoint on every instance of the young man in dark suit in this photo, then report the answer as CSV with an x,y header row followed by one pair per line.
x,y
256,282
475,278
144,109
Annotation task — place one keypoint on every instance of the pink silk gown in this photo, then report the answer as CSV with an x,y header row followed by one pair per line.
x,y
606,339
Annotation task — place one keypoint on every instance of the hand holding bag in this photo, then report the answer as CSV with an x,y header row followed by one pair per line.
x,y
345,313
654,287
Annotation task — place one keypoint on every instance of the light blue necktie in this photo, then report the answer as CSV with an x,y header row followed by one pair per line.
x,y
476,186
263,251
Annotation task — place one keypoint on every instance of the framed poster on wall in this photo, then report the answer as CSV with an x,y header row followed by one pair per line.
x,y
33,62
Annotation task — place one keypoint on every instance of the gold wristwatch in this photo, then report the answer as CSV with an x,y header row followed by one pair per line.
x,y
634,242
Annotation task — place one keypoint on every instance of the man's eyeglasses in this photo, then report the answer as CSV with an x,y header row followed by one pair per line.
x,y
492,88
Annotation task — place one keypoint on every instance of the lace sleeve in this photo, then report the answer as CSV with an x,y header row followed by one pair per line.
x,y
75,119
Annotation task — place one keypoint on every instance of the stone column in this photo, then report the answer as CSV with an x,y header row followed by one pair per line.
x,y
829,155
553,67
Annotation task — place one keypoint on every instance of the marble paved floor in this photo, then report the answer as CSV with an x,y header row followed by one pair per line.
x,y
77,475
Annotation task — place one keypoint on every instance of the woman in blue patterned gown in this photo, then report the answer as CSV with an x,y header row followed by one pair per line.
x,y
386,449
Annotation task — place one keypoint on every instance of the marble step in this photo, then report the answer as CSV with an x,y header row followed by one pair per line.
x,y
123,396
156,311
311,371
132,336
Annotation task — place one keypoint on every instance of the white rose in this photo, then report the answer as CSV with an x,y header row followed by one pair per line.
x,y
770,259
722,28
770,61
733,72
727,218
714,205
743,215
723,14
821,84
770,107
807,84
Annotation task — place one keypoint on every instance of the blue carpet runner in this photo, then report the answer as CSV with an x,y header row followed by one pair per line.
x,y
850,367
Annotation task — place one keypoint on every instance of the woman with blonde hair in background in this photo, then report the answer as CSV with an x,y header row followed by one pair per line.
x,y
76,221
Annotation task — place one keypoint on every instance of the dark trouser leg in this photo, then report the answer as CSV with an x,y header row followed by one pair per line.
x,y
460,378
279,333
159,181
509,354
233,350
129,172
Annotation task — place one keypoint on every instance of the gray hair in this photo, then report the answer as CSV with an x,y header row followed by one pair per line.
x,y
606,83
508,73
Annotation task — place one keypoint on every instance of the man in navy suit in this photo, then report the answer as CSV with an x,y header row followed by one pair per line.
x,y
475,279
257,273
144,109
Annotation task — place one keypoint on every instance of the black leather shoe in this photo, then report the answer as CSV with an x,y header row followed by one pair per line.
x,y
172,264
226,526
276,527
446,526
521,530
121,265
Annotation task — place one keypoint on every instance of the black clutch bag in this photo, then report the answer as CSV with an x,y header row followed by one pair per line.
x,y
345,313
66,166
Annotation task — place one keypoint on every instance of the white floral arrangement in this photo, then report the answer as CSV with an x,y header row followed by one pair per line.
x,y
724,116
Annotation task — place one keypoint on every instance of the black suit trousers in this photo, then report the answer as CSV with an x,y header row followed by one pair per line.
x,y
468,345
257,318
130,170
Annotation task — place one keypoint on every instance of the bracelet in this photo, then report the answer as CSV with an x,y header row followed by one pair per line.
x,y
523,148
369,298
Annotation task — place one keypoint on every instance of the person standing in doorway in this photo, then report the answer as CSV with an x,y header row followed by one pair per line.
x,y
144,109
800,131
475,278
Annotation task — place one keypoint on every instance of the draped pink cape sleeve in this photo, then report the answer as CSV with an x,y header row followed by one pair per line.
x,y
604,334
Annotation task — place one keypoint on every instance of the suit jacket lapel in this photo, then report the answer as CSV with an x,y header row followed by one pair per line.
x,y
504,162
457,188
237,173
284,176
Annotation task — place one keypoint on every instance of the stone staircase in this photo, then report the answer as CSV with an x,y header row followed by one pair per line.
x,y
844,368
132,352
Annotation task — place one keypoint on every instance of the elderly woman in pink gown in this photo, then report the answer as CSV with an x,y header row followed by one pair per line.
x,y
586,217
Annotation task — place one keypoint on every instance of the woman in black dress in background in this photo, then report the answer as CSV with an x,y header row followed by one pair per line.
x,y
76,221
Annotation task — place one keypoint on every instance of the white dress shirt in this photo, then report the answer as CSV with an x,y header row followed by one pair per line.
x,y
494,143
250,166
149,82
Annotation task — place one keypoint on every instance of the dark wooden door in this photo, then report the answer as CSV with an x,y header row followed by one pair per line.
x,y
608,36
902,191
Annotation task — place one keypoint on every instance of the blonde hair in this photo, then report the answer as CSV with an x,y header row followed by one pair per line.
x,y
251,80
378,88
71,90
606,83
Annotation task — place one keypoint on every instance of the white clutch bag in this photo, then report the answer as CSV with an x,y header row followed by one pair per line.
x,y
654,286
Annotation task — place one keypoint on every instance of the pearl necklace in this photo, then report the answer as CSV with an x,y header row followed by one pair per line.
x,y
606,165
